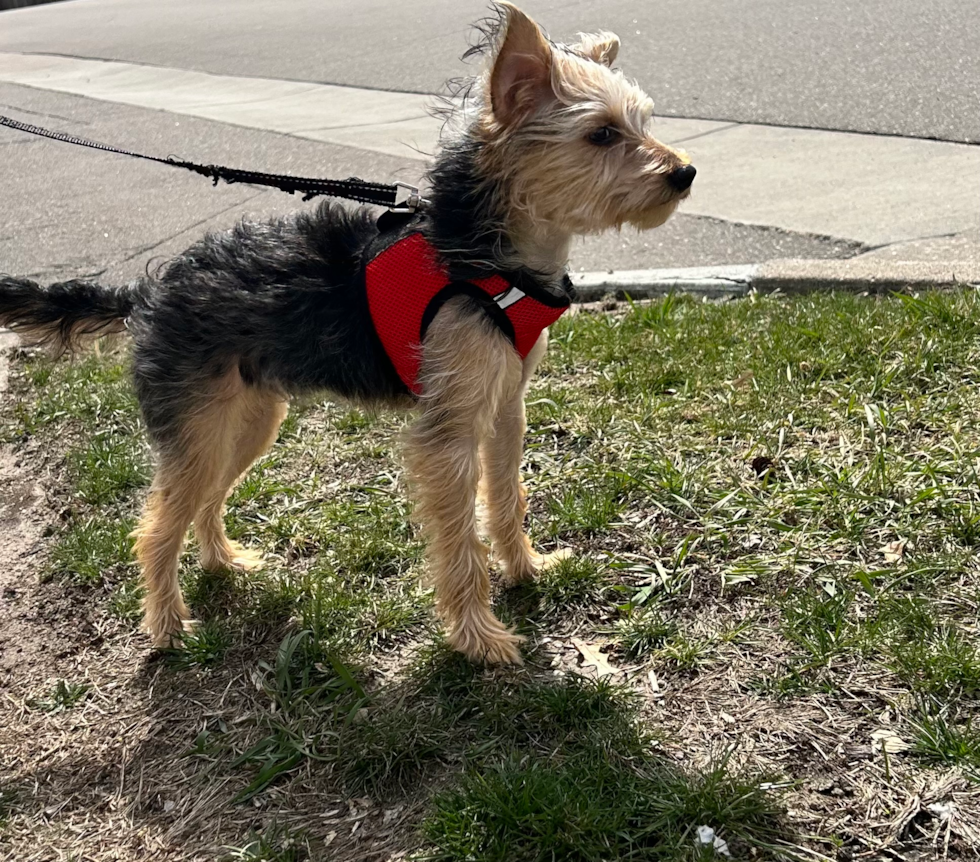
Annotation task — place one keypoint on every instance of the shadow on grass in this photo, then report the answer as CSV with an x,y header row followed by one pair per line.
x,y
533,766
256,714
514,764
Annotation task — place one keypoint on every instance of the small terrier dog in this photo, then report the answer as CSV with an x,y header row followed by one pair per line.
x,y
550,142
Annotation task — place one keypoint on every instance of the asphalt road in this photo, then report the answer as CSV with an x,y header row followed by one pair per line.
x,y
900,67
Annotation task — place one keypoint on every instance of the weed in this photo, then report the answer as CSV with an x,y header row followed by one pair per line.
x,y
63,696
204,646
274,843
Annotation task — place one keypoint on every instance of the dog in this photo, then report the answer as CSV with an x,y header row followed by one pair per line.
x,y
549,142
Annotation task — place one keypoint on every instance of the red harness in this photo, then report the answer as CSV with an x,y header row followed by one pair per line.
x,y
407,285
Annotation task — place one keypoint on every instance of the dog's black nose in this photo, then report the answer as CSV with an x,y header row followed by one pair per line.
x,y
682,178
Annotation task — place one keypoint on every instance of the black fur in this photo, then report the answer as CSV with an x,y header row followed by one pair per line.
x,y
284,300
463,222
62,314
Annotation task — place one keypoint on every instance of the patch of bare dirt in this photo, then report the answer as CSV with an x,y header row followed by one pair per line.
x,y
21,516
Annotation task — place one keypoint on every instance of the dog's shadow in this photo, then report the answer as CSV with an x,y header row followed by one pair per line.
x,y
521,606
276,724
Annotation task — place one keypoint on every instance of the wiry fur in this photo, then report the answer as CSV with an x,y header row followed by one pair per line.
x,y
230,329
62,315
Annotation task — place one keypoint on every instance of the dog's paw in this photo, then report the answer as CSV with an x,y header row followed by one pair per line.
x,y
231,557
543,562
536,563
165,625
488,642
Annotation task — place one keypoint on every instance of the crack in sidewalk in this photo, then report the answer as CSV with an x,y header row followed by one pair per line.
x,y
148,248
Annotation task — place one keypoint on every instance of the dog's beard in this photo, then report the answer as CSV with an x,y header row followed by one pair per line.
x,y
653,217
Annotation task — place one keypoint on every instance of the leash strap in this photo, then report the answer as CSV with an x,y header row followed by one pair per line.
x,y
397,197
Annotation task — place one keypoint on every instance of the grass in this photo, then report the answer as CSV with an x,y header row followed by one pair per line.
x,y
940,739
818,624
63,696
593,808
572,582
775,510
942,663
205,646
273,844
92,546
641,632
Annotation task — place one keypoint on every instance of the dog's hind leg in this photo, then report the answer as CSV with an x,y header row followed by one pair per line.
x,y
191,465
505,495
468,369
258,425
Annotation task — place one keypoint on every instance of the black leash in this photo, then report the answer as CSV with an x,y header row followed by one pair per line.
x,y
399,196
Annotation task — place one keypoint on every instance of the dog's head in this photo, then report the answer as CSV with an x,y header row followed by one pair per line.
x,y
569,136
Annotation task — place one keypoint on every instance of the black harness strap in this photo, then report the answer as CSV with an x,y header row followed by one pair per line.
x,y
398,196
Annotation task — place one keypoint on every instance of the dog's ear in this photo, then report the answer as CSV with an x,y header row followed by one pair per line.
x,y
602,47
520,81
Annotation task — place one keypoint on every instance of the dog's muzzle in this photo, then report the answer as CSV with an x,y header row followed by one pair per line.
x,y
681,178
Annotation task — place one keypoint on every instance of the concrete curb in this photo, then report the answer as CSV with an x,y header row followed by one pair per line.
x,y
857,275
709,282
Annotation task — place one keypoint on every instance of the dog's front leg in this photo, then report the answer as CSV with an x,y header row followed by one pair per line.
x,y
468,369
506,497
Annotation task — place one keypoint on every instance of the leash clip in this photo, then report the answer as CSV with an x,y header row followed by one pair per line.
x,y
406,198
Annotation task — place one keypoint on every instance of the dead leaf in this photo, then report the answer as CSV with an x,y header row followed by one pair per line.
x,y
742,379
885,739
895,551
592,656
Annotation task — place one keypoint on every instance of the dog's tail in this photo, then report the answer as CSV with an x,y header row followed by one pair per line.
x,y
61,315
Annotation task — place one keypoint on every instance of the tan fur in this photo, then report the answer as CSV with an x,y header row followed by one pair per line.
x,y
506,497
468,369
599,47
234,426
259,420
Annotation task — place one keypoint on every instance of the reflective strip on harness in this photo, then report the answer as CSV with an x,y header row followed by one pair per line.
x,y
407,285
505,300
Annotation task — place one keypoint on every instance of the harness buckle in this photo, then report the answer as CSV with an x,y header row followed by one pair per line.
x,y
407,198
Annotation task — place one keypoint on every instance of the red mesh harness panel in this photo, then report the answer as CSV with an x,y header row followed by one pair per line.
x,y
407,285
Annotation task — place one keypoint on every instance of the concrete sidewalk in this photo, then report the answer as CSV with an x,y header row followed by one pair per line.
x,y
904,211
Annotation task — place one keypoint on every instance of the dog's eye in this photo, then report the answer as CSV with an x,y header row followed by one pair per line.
x,y
604,136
